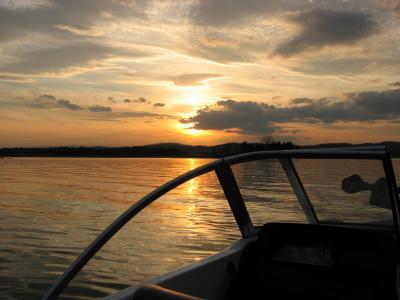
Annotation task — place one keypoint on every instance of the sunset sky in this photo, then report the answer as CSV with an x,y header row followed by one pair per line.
x,y
125,72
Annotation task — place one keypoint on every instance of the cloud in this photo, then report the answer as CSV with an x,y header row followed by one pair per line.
x,y
321,27
260,118
99,108
47,101
232,12
57,59
63,58
141,114
81,30
233,116
94,112
68,105
46,97
333,66
396,83
393,6
72,17
120,115
194,79
15,78
138,100
297,101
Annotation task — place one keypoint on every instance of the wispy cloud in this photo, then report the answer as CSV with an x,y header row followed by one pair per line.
x,y
15,78
235,12
93,112
56,17
70,57
193,79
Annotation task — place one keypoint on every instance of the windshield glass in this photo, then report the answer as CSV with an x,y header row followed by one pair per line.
x,y
349,191
267,192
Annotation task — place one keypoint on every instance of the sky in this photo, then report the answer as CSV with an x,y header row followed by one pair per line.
x,y
126,72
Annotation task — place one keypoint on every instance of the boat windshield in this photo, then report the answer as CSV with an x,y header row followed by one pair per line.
x,y
348,191
331,191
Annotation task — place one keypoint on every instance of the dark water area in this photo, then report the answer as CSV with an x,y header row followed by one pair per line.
x,y
52,208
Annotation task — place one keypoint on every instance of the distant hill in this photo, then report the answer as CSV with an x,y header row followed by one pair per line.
x,y
174,150
156,150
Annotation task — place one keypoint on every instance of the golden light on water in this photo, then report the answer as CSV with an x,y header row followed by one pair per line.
x,y
192,185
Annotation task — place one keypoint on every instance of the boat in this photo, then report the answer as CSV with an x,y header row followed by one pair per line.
x,y
320,259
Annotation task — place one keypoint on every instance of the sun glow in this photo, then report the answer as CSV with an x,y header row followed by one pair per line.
x,y
194,96
189,130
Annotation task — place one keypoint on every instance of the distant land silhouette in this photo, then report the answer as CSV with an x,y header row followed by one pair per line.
x,y
174,150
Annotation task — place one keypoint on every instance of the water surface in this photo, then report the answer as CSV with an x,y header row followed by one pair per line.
x,y
52,208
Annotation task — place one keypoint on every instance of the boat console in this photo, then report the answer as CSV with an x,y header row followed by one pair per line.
x,y
307,261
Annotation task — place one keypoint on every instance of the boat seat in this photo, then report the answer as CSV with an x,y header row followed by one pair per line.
x,y
306,261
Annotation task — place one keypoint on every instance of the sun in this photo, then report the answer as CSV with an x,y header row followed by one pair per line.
x,y
194,132
187,129
192,96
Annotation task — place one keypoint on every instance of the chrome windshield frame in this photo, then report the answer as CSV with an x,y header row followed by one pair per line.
x,y
222,168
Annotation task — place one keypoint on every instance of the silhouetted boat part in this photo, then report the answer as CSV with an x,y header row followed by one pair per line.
x,y
319,260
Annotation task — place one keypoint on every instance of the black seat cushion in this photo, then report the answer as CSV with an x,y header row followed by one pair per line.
x,y
317,262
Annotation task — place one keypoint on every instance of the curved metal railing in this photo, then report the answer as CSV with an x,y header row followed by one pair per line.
x,y
232,193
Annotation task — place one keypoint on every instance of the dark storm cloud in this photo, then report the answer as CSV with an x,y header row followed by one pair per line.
x,y
158,104
261,118
396,83
99,108
319,28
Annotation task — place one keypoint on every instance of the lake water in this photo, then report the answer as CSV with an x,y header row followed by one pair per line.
x,y
52,208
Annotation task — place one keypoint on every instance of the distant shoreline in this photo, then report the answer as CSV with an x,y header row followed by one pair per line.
x,y
172,150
